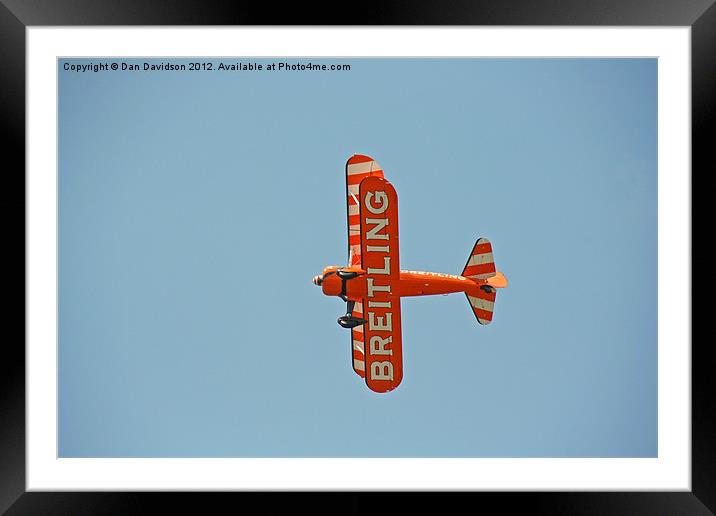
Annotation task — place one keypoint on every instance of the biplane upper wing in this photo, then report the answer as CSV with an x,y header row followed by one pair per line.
x,y
379,255
358,168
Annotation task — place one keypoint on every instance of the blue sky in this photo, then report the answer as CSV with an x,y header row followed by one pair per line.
x,y
195,207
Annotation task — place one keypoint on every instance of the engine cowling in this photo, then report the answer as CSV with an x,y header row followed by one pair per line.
x,y
346,274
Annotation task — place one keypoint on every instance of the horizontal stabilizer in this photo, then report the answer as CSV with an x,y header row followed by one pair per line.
x,y
482,304
481,269
480,264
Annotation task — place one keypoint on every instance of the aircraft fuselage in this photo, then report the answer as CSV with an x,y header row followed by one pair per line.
x,y
410,283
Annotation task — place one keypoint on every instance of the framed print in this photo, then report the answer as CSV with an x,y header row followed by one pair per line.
x,y
181,190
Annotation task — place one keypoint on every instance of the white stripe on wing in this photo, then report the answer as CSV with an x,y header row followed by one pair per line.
x,y
362,168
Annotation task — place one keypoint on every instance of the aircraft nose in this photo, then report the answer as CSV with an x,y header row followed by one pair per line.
x,y
317,280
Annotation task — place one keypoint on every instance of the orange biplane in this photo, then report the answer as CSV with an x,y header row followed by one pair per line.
x,y
372,283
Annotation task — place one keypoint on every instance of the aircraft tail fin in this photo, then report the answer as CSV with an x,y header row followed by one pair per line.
x,y
480,268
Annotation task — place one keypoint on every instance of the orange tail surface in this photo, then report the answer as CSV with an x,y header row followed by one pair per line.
x,y
480,268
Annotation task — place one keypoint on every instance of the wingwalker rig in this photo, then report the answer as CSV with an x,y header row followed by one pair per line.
x,y
372,283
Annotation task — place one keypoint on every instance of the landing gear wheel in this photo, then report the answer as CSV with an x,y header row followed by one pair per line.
x,y
348,321
487,288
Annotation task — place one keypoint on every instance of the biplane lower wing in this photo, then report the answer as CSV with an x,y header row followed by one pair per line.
x,y
358,167
482,304
379,246
358,342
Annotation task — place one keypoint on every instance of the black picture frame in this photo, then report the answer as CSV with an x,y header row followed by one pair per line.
x,y
16,15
